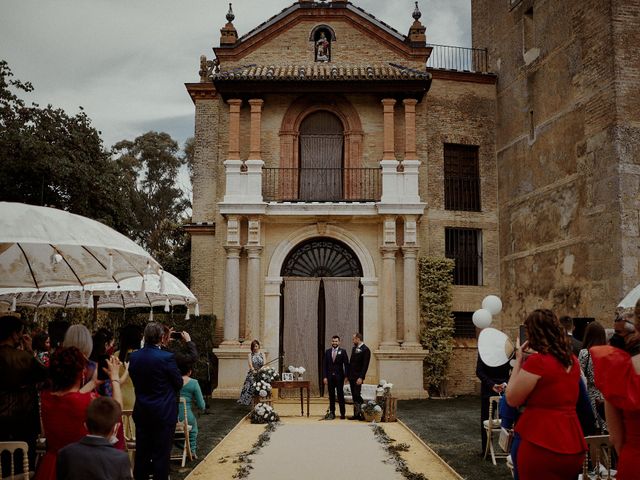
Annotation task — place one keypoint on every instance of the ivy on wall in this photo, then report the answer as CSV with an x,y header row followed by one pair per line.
x,y
436,321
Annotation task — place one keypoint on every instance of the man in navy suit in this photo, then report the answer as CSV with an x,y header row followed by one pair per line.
x,y
360,356
157,381
335,370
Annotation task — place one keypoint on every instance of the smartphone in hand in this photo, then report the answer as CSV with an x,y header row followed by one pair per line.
x,y
176,335
523,334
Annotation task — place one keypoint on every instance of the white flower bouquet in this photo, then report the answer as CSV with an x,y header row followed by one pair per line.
x,y
262,388
263,413
372,411
384,388
266,374
297,370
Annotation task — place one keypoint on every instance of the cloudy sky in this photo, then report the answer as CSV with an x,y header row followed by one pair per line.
x,y
126,61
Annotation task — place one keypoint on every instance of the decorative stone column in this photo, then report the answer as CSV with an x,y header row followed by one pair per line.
x,y
389,319
254,162
254,254
410,128
389,129
256,115
391,190
234,128
410,300
232,284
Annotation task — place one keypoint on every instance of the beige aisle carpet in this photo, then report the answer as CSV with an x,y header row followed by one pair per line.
x,y
310,449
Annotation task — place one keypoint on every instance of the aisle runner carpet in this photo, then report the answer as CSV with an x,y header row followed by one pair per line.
x,y
326,449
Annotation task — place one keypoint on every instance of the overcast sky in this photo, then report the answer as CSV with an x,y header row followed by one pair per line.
x,y
126,61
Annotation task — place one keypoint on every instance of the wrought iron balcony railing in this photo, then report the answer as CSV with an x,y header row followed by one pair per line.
x,y
462,59
321,184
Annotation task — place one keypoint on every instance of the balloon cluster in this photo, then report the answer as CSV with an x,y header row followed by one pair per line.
x,y
491,305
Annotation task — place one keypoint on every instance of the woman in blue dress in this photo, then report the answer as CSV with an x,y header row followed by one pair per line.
x,y
193,395
256,361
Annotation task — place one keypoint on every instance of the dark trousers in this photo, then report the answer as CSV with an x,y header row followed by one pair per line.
x,y
153,450
357,397
336,382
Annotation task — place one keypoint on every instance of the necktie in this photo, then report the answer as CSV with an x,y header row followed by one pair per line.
x,y
333,355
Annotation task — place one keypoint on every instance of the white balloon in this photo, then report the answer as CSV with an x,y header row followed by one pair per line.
x,y
493,304
482,318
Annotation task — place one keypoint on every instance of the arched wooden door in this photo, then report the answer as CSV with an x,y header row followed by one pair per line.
x,y
321,297
321,157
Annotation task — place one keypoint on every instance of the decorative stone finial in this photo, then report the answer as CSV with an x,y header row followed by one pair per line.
x,y
416,13
231,17
228,33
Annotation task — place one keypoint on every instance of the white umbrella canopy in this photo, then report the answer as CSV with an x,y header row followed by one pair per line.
x,y
631,298
43,247
152,291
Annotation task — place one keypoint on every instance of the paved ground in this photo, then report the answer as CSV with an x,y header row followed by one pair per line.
x,y
450,427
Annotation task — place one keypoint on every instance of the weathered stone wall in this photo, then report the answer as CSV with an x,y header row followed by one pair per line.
x,y
568,209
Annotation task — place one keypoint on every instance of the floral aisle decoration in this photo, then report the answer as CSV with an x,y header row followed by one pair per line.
x,y
384,389
372,411
262,382
244,460
393,450
264,413
262,389
299,371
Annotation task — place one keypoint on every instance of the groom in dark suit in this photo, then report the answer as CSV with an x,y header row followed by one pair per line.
x,y
360,356
157,381
335,370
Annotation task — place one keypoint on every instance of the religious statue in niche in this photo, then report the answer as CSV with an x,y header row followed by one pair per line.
x,y
323,47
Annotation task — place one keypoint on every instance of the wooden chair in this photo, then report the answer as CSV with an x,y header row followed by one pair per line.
x,y
12,448
182,434
492,427
599,451
129,433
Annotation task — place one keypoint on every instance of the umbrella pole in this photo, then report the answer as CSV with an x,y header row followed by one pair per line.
x,y
95,309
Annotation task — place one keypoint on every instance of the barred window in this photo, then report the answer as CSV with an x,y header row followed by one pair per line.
x,y
464,246
463,326
461,177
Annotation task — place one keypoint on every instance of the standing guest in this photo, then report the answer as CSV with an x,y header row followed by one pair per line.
x,y
567,323
594,335
156,380
188,347
617,375
57,330
41,345
79,336
335,370
100,353
94,456
256,361
64,407
623,326
130,339
360,356
20,372
192,393
546,378
493,381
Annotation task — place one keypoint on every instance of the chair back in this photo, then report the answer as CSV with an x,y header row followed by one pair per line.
x,y
599,449
129,430
12,448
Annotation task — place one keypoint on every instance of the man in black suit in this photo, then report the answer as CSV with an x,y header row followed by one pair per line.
x,y
360,356
156,381
94,456
335,370
567,323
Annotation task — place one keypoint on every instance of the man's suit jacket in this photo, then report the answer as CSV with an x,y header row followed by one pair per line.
x,y
340,367
490,376
359,363
576,345
156,381
94,458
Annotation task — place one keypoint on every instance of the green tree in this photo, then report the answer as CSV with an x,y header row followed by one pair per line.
x,y
153,160
51,158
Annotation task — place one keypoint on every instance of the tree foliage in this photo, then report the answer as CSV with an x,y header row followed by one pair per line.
x,y
435,281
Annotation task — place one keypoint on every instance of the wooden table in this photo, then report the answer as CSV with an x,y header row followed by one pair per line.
x,y
301,384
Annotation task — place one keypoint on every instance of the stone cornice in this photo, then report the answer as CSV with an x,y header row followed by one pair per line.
x,y
202,228
201,91
461,76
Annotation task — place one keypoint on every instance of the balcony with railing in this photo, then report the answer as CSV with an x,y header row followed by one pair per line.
x,y
461,59
321,184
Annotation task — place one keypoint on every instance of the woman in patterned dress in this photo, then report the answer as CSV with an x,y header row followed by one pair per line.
x,y
594,335
256,361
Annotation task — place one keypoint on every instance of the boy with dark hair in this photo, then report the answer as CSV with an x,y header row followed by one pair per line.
x,y
94,456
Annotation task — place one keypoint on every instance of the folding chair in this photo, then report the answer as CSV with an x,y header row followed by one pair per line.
x,y
129,433
492,426
599,450
12,448
182,434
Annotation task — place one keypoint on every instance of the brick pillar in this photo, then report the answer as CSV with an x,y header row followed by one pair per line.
x,y
234,128
410,128
256,115
389,144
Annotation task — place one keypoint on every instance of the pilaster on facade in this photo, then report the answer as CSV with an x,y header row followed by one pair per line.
x,y
254,260
389,250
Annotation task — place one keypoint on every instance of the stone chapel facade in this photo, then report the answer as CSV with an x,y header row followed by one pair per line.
x,y
328,160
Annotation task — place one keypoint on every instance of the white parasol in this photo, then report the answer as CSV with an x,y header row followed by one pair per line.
x,y
631,298
43,247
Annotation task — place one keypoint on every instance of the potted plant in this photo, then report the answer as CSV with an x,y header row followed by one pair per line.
x,y
372,411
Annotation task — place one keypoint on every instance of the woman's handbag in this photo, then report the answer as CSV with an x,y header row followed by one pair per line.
x,y
505,439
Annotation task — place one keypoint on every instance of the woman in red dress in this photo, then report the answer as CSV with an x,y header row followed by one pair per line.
x,y
63,409
546,380
617,376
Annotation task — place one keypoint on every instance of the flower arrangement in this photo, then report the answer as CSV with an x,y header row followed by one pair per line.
x,y
297,370
266,374
262,388
384,389
263,413
372,411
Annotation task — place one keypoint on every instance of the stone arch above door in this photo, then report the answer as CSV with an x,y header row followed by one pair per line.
x,y
301,108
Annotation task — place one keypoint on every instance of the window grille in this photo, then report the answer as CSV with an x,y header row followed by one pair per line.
x,y
464,246
463,326
461,177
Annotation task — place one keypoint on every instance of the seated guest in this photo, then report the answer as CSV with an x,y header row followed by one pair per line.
x,y
64,407
192,394
94,455
41,345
